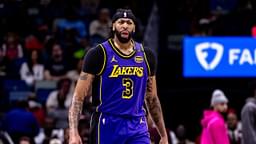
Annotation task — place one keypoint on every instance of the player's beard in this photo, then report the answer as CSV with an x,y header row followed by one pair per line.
x,y
123,39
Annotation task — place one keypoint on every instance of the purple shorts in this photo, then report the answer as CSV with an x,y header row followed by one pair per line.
x,y
109,129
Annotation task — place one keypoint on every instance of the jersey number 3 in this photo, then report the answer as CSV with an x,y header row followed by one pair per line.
x,y
128,91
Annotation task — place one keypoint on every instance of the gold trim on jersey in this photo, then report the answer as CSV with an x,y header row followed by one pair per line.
x,y
118,52
149,72
105,59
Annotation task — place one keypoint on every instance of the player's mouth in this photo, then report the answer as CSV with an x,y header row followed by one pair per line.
x,y
125,33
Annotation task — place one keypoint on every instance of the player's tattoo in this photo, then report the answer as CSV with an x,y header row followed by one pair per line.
x,y
81,91
74,112
154,106
149,85
83,77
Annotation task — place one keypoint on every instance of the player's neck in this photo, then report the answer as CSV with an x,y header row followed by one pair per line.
x,y
126,48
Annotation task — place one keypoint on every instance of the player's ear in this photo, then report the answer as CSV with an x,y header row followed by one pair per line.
x,y
113,27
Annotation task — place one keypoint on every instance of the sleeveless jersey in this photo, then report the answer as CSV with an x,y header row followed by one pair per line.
x,y
122,83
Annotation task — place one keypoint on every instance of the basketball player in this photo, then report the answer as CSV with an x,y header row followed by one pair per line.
x,y
121,74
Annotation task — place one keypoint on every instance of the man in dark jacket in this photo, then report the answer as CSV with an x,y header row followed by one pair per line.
x,y
248,117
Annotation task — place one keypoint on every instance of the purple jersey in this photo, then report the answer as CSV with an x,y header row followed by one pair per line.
x,y
122,85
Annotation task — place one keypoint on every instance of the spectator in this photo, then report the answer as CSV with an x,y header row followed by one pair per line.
x,y
25,140
248,117
181,135
48,131
12,48
20,122
13,52
60,98
33,69
214,129
57,66
100,28
234,128
58,102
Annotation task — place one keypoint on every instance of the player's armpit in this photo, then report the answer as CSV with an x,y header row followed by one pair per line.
x,y
82,90
154,105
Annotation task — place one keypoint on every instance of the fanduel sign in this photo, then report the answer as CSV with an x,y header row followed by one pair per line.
x,y
219,57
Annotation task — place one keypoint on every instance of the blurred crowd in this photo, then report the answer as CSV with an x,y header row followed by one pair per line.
x,y
42,45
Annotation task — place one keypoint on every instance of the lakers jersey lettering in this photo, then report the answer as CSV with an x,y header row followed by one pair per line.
x,y
126,71
122,84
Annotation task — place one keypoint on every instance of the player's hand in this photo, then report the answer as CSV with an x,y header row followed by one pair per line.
x,y
74,138
163,140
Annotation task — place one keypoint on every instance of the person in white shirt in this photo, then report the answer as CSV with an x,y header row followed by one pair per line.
x,y
32,70
102,25
59,101
60,98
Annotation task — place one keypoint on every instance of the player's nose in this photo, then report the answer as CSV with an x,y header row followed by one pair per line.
x,y
125,25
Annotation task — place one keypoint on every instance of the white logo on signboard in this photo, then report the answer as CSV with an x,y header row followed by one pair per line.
x,y
202,54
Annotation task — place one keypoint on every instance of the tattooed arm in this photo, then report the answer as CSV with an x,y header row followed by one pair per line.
x,y
154,107
82,90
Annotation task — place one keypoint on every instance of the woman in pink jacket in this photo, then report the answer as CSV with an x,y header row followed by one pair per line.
x,y
214,128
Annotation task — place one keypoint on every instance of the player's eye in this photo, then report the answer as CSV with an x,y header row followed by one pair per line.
x,y
121,22
129,22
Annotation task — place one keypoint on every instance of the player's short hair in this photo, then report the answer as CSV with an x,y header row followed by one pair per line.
x,y
123,13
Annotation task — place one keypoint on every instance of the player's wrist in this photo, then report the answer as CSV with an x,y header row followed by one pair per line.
x,y
164,136
73,131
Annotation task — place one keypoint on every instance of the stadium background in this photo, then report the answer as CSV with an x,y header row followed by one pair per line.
x,y
183,99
